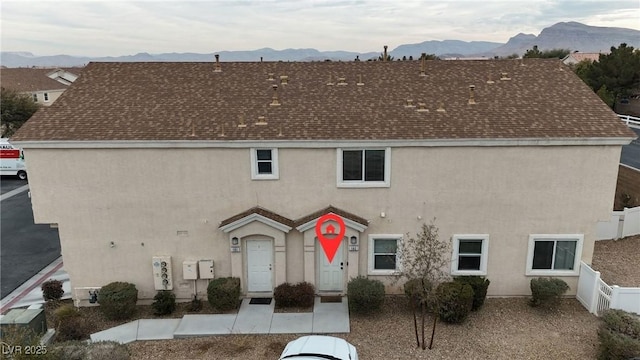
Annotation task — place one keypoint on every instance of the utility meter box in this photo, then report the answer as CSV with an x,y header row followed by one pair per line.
x,y
162,278
190,270
206,269
32,319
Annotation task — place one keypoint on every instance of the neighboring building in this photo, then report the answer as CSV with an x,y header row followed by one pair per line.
x,y
235,162
575,57
45,85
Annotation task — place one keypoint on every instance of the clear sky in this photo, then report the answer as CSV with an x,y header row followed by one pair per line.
x,y
117,27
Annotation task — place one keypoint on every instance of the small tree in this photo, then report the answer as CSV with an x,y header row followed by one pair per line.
x,y
16,108
424,266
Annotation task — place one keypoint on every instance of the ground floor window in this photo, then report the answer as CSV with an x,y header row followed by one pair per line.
x,y
554,254
383,254
470,253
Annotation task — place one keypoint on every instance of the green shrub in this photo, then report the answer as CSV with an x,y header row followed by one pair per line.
x,y
118,300
455,300
298,295
65,312
52,290
81,350
164,303
73,328
546,292
365,295
479,285
224,293
619,335
195,305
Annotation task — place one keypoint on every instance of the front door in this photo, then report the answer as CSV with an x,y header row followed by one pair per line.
x,y
330,274
259,265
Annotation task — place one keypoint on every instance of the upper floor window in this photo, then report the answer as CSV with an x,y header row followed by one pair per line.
x,y
264,164
364,167
470,253
46,96
554,254
35,97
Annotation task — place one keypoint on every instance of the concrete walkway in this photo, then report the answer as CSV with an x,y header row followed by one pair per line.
x,y
251,319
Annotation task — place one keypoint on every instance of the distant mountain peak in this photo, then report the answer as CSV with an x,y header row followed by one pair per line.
x,y
567,35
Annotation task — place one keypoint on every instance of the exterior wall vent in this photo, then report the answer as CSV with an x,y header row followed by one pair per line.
x,y
360,83
342,81
505,76
422,107
441,107
284,80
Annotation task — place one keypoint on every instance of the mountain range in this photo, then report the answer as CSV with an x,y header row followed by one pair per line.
x,y
564,35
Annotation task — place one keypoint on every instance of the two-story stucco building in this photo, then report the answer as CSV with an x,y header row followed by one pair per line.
x,y
236,162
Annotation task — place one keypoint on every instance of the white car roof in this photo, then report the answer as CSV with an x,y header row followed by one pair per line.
x,y
319,346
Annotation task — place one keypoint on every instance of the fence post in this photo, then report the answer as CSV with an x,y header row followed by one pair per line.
x,y
615,296
594,295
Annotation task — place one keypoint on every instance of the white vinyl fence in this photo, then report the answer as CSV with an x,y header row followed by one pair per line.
x,y
597,296
631,121
621,224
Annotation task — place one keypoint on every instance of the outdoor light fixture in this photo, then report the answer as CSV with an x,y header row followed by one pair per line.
x,y
354,240
234,241
112,244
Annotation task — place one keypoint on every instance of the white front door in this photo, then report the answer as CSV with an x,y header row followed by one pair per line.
x,y
330,274
259,265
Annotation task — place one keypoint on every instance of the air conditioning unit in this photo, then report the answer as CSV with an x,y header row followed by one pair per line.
x,y
206,269
162,278
190,270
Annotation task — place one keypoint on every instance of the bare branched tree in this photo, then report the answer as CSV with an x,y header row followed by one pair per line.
x,y
425,262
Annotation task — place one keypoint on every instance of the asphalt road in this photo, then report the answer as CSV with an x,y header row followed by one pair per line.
x,y
25,248
631,153
8,183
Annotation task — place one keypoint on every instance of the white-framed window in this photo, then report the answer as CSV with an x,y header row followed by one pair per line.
x,y
46,96
35,97
554,254
470,254
364,167
384,254
264,164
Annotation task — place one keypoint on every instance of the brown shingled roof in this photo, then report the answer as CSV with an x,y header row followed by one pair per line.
x,y
29,79
331,209
260,211
190,101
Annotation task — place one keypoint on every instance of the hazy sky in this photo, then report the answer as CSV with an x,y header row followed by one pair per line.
x,y
115,27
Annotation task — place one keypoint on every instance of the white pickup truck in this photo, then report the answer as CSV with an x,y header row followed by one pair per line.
x,y
12,160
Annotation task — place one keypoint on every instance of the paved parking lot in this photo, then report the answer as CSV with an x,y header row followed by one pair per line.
x,y
25,247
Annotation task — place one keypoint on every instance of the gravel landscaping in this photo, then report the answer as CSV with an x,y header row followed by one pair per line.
x,y
505,328
617,261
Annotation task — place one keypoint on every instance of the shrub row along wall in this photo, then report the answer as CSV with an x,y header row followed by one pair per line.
x,y
628,188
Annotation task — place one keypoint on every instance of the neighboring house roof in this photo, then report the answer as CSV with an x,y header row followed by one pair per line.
x,y
190,101
576,57
29,80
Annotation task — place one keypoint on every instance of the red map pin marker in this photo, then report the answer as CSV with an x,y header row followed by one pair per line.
x,y
330,244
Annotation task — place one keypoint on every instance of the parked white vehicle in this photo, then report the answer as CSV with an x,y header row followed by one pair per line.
x,y
319,347
12,160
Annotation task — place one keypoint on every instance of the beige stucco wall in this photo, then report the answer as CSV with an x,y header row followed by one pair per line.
x,y
141,198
